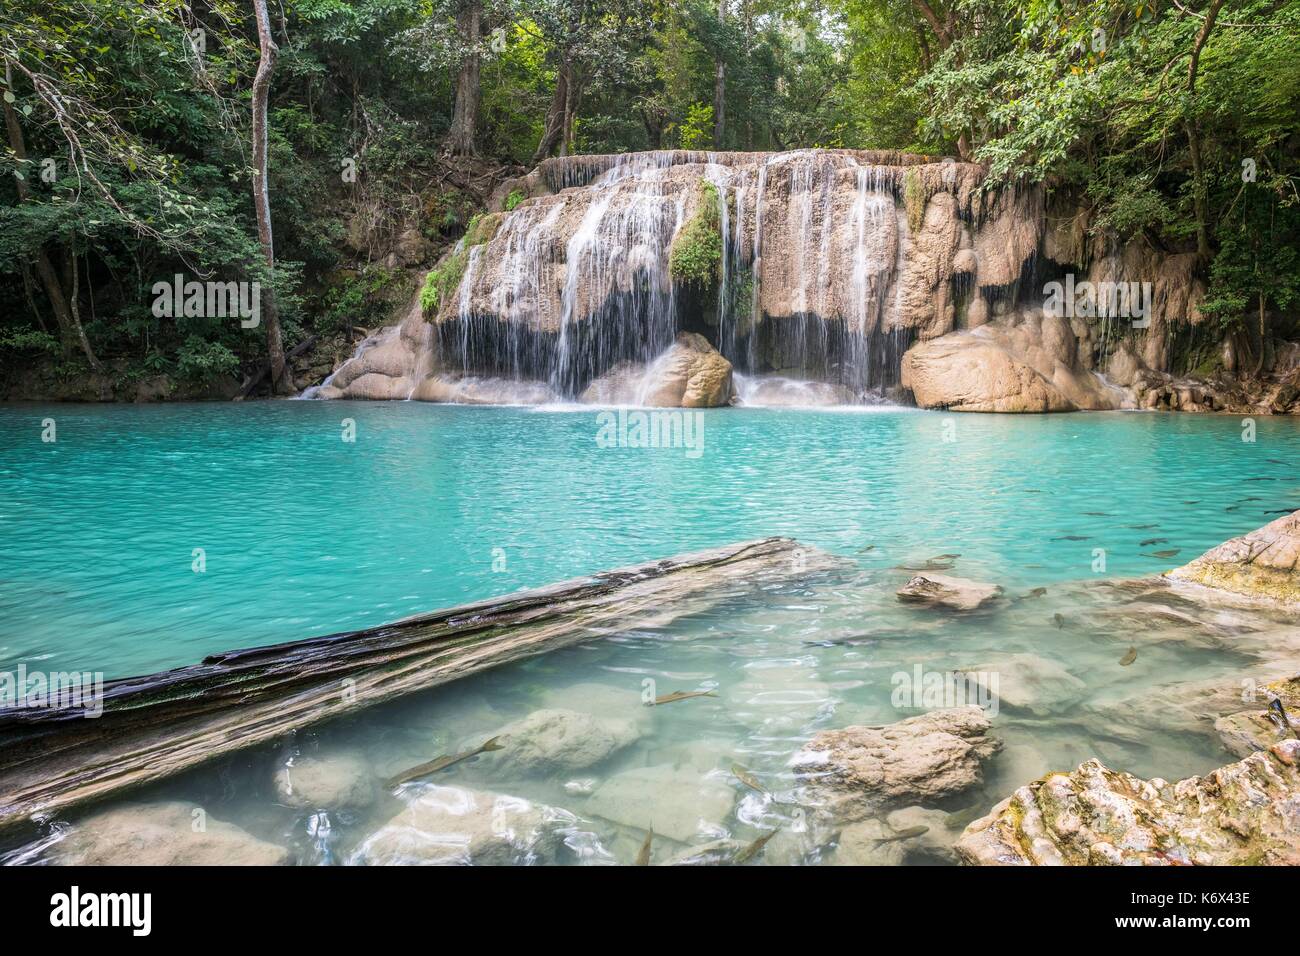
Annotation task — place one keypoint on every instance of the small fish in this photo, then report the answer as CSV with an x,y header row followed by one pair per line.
x,y
1284,511
1167,553
1098,514
442,763
944,557
748,779
754,849
643,855
1129,658
1036,592
870,547
1143,527
908,834
1150,541
1277,714
1197,502
1071,537
683,695
1059,619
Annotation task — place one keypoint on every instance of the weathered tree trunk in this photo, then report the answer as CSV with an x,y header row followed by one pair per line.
x,y
156,726
554,130
72,335
462,139
1200,198
270,314
720,87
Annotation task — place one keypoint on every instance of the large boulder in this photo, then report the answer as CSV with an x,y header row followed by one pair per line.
x,y
690,374
1245,813
457,826
855,772
163,834
553,741
1264,563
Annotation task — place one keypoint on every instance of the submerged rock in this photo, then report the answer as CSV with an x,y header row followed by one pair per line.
x,y
1245,732
1247,813
553,741
471,390
855,772
173,833
458,826
942,590
678,802
332,782
1028,682
1264,563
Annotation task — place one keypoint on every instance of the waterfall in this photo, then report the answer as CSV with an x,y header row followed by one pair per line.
x,y
818,276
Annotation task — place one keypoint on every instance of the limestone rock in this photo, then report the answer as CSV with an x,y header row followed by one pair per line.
x,y
1264,563
953,593
163,834
457,826
554,741
472,390
331,782
1247,813
690,374
854,772
968,376
1245,732
867,843
678,803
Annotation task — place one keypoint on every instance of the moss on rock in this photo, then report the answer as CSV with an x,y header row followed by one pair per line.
x,y
696,254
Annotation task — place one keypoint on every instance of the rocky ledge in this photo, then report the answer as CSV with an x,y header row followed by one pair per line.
x,y
1244,813
1264,563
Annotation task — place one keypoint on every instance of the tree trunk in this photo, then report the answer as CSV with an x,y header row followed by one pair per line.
x,y
71,333
720,86
1200,199
280,384
462,140
555,115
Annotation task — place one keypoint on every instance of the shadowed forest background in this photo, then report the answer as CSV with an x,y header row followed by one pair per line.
x,y
132,145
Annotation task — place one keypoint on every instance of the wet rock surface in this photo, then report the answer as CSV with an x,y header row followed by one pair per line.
x,y
1245,813
558,741
635,798
855,772
1264,563
333,782
163,834
946,591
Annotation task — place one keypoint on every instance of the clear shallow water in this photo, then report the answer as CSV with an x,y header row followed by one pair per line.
x,y
306,534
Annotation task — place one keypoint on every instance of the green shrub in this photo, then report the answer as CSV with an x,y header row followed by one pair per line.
x,y
696,255
514,199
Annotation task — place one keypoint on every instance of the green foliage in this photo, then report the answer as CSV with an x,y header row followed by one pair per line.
x,y
696,132
696,255
514,199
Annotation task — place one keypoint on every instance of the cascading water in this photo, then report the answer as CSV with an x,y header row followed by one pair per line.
x,y
816,276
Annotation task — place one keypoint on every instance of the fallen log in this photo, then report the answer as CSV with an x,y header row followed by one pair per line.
x,y
159,725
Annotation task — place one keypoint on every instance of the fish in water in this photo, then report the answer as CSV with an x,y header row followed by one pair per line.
x,y
643,855
755,848
1071,537
908,834
683,695
442,763
1129,658
1150,541
1277,714
1037,592
944,557
748,779
1167,553
870,547
1098,514
1059,619
1143,527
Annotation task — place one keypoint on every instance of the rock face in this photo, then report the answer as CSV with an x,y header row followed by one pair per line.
x,y
1245,813
554,741
856,772
163,834
690,374
1029,363
953,593
1264,563
1247,731
456,826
